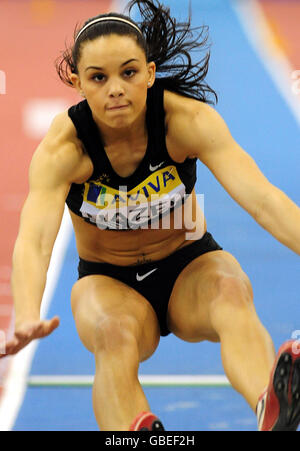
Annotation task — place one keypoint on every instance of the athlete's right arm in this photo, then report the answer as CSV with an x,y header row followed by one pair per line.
x,y
54,166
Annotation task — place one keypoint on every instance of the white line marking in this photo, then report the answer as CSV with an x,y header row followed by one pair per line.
x,y
181,405
275,62
15,383
158,380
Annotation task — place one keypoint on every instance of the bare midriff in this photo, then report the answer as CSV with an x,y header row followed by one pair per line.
x,y
134,247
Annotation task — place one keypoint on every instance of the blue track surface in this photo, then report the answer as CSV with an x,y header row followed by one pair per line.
x,y
263,124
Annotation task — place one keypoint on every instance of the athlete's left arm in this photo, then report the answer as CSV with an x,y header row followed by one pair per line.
x,y
210,140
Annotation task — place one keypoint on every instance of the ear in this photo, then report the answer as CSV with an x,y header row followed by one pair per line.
x,y
152,72
77,84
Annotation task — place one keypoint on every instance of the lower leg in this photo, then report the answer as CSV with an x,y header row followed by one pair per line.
x,y
117,394
247,352
248,359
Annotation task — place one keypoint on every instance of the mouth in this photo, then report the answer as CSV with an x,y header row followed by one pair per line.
x,y
118,107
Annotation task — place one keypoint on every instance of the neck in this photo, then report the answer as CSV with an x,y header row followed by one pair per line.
x,y
132,133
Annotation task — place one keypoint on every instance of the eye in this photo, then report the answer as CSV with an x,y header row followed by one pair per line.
x,y
130,73
98,78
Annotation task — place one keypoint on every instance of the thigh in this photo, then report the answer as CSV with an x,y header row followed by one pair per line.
x,y
97,300
197,287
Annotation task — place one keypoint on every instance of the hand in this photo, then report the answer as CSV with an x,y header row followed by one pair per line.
x,y
28,331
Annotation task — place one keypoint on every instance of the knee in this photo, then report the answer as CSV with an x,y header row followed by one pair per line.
x,y
233,295
114,334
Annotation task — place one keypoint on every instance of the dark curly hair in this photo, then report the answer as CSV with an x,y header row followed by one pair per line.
x,y
164,40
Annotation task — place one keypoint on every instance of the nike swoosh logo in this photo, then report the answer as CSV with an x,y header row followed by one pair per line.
x,y
154,168
141,278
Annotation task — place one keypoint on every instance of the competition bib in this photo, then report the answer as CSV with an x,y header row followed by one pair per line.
x,y
109,208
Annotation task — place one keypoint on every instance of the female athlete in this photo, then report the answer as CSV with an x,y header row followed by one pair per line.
x,y
124,161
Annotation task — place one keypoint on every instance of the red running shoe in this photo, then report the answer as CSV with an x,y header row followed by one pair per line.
x,y
146,421
278,408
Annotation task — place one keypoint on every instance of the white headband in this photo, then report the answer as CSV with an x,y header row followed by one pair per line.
x,y
106,19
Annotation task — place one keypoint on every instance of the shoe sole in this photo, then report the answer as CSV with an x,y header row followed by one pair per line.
x,y
286,383
156,427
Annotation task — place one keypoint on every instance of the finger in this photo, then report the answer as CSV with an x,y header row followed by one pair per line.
x,y
10,347
26,331
24,335
51,325
46,327
55,321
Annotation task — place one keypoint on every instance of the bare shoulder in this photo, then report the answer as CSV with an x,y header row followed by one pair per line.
x,y
175,103
178,107
62,137
191,123
63,151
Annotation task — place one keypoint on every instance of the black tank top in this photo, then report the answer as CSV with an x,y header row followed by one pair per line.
x,y
157,187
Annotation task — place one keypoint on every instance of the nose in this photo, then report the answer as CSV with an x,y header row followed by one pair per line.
x,y
115,89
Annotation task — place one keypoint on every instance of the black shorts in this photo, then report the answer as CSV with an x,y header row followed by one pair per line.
x,y
154,280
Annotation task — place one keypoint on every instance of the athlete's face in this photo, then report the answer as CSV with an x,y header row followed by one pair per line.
x,y
113,75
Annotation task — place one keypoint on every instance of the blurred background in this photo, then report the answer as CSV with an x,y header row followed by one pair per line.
x,y
255,69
